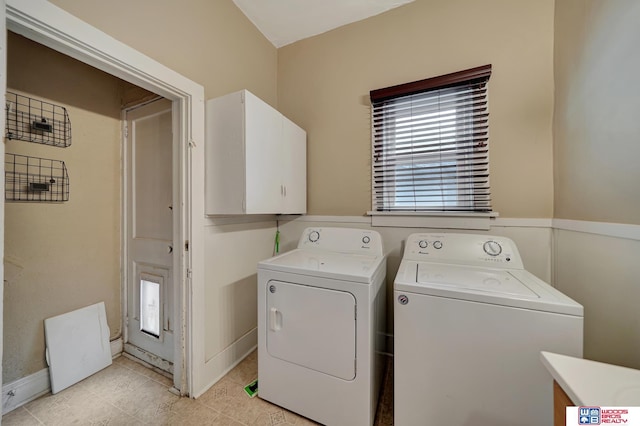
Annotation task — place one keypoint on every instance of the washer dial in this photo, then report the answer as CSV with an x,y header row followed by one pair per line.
x,y
314,236
492,248
422,244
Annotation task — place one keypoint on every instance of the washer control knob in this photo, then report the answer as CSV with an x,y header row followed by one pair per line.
x,y
366,239
272,288
422,243
314,236
403,299
437,245
492,248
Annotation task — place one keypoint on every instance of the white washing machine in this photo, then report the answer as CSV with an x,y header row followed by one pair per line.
x,y
469,325
321,311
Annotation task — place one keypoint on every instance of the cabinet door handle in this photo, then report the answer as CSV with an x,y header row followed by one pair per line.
x,y
285,191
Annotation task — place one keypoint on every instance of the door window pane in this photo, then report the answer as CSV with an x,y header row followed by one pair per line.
x,y
150,307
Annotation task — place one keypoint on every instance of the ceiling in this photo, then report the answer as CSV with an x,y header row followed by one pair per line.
x,y
287,21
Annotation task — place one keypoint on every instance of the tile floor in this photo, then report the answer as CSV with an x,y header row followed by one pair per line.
x,y
126,393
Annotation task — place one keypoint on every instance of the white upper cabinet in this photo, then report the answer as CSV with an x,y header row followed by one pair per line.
x,y
256,159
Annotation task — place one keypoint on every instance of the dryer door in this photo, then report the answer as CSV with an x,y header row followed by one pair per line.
x,y
312,327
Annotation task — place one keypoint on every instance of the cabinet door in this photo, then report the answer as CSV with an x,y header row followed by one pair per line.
x,y
263,134
294,148
225,158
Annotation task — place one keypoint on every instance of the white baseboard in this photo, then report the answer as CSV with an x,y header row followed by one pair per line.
x,y
220,364
28,388
24,390
116,347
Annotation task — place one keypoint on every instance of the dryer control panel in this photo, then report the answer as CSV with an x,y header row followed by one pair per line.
x,y
464,249
342,240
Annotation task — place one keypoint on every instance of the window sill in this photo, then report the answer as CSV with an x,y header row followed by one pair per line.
x,y
439,220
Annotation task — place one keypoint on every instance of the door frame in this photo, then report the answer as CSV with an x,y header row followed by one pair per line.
x,y
55,28
3,90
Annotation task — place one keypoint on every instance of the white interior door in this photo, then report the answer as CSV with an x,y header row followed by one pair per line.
x,y
149,223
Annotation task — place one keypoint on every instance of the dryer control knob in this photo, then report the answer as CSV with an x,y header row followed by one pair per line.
x,y
423,243
437,245
403,299
366,239
314,236
492,248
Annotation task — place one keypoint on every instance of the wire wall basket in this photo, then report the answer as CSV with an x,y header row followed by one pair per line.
x,y
35,179
36,121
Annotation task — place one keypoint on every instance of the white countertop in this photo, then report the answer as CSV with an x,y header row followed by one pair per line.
x,y
594,383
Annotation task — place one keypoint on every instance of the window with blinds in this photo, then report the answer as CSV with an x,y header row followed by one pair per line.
x,y
430,144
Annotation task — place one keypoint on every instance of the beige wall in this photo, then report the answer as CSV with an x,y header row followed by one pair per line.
x,y
596,151
208,41
596,110
63,256
324,83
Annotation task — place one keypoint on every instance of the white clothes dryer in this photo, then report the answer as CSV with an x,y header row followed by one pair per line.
x,y
469,325
321,317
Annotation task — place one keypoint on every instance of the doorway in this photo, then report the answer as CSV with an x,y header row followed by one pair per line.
x,y
49,25
148,234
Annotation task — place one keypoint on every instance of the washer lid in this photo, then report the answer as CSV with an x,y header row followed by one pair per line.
x,y
514,288
339,266
480,280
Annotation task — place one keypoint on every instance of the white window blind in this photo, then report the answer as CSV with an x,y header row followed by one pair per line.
x,y
430,144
